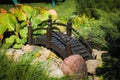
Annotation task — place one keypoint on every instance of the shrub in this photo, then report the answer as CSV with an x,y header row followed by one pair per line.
x,y
86,6
100,32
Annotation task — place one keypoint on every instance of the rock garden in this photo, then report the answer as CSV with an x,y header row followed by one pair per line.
x,y
99,35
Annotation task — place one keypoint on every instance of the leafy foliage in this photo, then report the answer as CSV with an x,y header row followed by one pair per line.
x,y
100,32
87,6
110,69
13,24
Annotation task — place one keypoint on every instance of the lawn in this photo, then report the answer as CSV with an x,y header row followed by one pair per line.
x,y
64,9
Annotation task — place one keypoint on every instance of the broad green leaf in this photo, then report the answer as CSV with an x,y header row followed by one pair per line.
x,y
18,27
23,32
8,21
44,15
12,22
35,12
17,45
23,24
2,29
21,41
9,41
36,20
27,10
20,15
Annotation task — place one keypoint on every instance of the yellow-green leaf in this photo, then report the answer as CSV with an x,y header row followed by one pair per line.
x,y
20,15
27,10
9,21
2,29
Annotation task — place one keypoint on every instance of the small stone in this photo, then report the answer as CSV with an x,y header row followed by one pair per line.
x,y
28,48
10,53
99,54
17,54
102,54
94,53
92,65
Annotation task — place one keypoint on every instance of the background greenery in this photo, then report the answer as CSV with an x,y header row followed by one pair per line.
x,y
102,19
106,14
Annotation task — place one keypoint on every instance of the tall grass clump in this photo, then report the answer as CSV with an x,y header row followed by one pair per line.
x,y
21,70
24,68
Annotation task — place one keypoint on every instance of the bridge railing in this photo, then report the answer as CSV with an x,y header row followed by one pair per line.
x,y
49,30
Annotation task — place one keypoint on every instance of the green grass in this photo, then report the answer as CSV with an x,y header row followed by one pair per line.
x,y
24,69
64,9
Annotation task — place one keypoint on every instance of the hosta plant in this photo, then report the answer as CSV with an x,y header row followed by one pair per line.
x,y
14,23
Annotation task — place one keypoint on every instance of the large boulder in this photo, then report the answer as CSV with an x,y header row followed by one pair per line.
x,y
75,65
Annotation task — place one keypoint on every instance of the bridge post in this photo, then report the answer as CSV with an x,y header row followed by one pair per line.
x,y
49,31
68,47
30,33
69,26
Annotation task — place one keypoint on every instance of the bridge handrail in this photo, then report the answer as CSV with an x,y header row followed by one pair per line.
x,y
39,29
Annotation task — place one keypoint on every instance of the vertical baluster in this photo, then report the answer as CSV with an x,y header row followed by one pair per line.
x,y
30,33
49,31
68,47
69,26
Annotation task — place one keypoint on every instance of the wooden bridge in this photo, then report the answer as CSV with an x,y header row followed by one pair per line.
x,y
62,44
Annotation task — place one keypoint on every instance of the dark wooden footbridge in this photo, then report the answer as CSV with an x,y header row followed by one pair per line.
x,y
62,44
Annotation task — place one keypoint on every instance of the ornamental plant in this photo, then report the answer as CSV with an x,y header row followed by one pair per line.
x,y
100,33
13,24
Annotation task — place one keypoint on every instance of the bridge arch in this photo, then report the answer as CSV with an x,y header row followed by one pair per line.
x,y
63,44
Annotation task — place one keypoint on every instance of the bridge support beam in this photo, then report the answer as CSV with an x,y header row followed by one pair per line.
x,y
68,47
49,31
30,33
